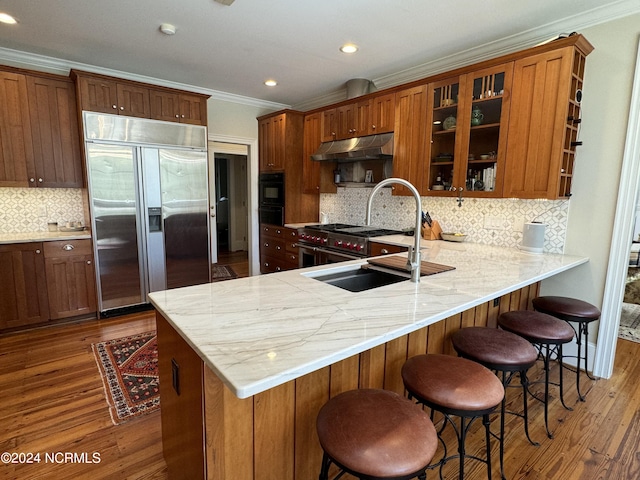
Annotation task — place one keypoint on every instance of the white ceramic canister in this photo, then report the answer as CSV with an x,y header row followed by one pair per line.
x,y
533,237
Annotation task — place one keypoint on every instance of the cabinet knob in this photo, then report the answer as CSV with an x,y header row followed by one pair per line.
x,y
88,262
121,108
39,180
373,127
266,264
177,116
37,250
68,247
32,180
384,251
115,107
278,247
277,269
266,245
182,116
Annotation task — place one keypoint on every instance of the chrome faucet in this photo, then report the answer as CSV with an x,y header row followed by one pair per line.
x,y
414,252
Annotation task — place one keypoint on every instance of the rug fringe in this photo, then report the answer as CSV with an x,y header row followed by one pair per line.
x,y
103,378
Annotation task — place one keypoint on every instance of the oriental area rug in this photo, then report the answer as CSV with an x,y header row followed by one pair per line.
x,y
129,370
222,272
630,322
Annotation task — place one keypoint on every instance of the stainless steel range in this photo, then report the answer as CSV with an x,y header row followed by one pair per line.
x,y
336,242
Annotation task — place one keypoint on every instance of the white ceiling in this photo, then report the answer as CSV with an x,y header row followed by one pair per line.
x,y
233,49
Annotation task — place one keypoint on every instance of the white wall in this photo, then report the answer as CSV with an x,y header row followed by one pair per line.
x,y
233,119
605,108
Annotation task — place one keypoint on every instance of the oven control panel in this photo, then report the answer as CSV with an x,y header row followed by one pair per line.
x,y
315,238
348,242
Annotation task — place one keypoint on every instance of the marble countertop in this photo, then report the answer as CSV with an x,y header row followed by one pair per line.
x,y
259,332
26,237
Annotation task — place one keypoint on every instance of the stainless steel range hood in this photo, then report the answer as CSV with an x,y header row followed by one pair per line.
x,y
371,147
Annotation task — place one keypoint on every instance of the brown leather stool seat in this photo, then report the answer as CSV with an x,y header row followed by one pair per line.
x,y
548,334
375,434
576,311
503,352
455,386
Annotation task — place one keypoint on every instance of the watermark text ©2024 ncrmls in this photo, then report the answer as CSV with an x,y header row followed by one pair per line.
x,y
50,457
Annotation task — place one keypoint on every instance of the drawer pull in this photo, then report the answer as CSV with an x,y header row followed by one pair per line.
x,y
384,251
68,247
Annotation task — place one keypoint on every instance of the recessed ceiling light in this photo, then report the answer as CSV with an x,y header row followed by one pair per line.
x,y
168,29
270,83
6,18
349,48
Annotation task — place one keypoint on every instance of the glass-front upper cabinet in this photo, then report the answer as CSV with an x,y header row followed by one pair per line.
x,y
443,96
468,141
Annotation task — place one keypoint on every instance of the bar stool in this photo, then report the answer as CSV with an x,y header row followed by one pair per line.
x,y
503,352
455,386
375,434
577,311
546,333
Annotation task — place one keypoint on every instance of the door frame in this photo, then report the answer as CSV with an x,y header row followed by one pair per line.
x,y
621,237
253,228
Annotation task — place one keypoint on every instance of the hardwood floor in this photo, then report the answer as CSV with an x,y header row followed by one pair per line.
x,y
52,400
239,261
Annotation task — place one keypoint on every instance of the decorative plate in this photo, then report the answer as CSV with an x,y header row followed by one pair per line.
x,y
449,123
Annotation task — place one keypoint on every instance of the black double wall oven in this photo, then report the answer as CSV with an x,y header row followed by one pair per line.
x,y
271,198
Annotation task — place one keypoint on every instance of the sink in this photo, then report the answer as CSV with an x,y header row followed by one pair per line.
x,y
361,279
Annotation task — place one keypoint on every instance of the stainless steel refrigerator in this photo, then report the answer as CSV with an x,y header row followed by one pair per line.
x,y
148,192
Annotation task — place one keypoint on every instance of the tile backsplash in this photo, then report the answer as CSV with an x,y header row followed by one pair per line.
x,y
30,209
487,221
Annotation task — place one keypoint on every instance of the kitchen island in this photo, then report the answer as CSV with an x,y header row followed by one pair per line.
x,y
247,363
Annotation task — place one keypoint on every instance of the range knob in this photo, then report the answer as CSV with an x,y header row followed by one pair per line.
x,y
325,241
313,239
360,247
338,243
348,245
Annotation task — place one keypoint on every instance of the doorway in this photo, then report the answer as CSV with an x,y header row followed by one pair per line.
x,y
229,210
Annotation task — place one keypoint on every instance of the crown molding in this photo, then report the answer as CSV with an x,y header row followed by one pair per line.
x,y
487,51
42,63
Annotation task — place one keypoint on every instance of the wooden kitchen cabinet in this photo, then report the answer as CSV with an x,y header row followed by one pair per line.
x,y
347,119
54,126
16,147
181,373
410,138
317,177
278,248
543,128
100,93
368,116
274,142
280,149
178,107
329,127
107,95
469,116
70,275
378,248
23,296
383,112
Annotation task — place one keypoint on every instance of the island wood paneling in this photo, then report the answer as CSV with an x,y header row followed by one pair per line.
x,y
42,370
272,435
